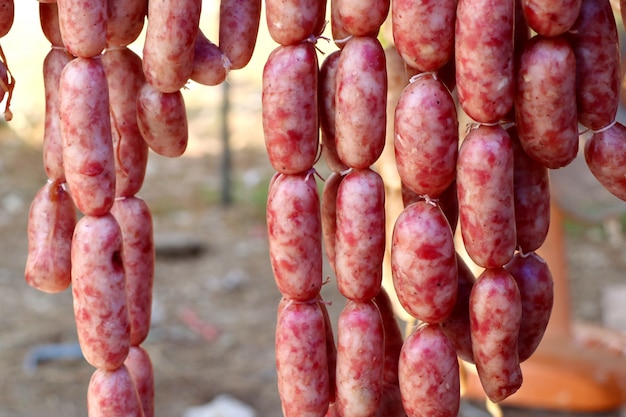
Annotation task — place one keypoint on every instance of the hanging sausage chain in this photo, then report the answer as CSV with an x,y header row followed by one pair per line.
x,y
106,107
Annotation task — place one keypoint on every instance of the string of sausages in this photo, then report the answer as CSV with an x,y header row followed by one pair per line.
x,y
106,108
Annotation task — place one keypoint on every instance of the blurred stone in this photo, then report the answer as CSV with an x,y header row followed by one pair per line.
x,y
222,405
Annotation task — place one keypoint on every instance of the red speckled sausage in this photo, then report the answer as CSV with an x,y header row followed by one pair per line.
x,y
495,317
595,42
429,374
430,47
360,359
83,26
361,102
99,291
135,221
125,78
301,361
52,143
290,113
210,65
485,80
326,100
51,222
86,135
169,45
448,202
536,287
290,22
329,215
605,154
162,120
423,262
551,17
239,27
140,367
531,184
295,236
7,16
360,236
485,191
49,20
457,325
125,21
113,393
361,18
426,136
545,101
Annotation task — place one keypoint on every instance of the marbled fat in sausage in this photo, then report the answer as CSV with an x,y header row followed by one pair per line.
x,y
238,31
49,20
210,65
327,86
290,22
83,26
551,17
605,154
140,367
113,393
362,17
125,21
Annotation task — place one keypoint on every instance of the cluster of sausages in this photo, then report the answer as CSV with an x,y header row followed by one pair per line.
x,y
106,107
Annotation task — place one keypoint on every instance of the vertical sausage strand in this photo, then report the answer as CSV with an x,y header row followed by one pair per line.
x,y
113,393
140,368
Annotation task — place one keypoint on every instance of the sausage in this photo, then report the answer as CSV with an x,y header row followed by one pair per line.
x,y
327,86
391,402
329,215
485,81
294,232
495,318
423,262
360,359
429,374
393,337
139,365
430,47
531,185
53,65
135,221
7,16
168,48
360,236
83,26
49,20
448,202
290,22
99,291
238,30
331,352
290,112
362,18
86,135
536,287
112,392
545,101
162,120
210,65
124,78
361,102
301,361
125,21
595,43
426,137
51,221
551,18
485,193
605,155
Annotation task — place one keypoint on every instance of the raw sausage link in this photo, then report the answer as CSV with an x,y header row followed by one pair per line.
x,y
362,18
290,113
290,22
124,78
162,120
485,191
495,318
51,222
329,215
7,16
125,21
135,221
605,154
86,134
426,136
595,42
393,337
361,102
331,352
423,262
301,361
430,47
545,98
360,359
99,291
294,231
535,283
552,17
485,81
168,49
360,236
140,367
238,31
113,393
429,374
210,66
83,26
448,202
49,20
